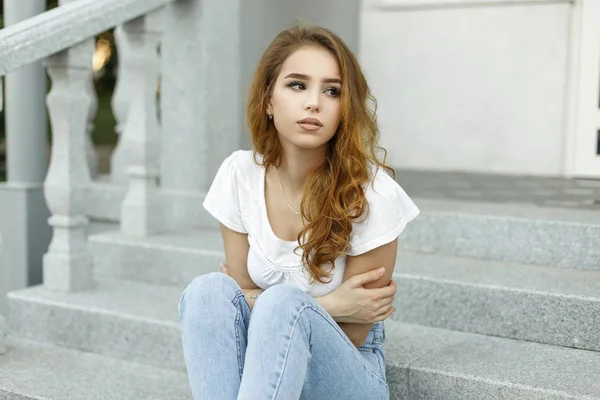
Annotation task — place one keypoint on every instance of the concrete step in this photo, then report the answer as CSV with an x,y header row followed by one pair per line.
x,y
521,233
435,364
541,304
524,234
125,320
422,363
171,258
36,371
535,303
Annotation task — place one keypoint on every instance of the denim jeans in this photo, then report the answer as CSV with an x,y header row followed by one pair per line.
x,y
286,347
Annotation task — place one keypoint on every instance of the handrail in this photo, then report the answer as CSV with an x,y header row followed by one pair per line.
x,y
65,26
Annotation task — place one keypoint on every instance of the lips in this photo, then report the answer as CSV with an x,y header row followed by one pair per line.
x,y
310,121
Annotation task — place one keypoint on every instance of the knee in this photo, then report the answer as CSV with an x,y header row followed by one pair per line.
x,y
281,298
208,288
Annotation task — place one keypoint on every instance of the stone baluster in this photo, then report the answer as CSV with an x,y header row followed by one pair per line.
x,y
141,210
120,101
90,150
119,108
67,266
2,322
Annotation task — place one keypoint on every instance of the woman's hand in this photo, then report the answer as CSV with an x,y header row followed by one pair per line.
x,y
352,303
223,268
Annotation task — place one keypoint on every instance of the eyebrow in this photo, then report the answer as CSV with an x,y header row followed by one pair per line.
x,y
307,78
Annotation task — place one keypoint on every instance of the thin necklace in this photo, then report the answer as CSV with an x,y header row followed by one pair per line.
x,y
283,193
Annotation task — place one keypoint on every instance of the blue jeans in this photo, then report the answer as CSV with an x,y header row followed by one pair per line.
x,y
291,348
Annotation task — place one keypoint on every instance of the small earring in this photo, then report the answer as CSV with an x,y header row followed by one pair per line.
x,y
270,116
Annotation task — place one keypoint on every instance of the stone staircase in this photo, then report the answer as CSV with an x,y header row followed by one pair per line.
x,y
494,301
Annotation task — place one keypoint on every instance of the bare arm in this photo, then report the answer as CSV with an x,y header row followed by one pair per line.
x,y
383,256
236,256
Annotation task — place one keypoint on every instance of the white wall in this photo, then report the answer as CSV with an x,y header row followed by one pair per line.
x,y
470,88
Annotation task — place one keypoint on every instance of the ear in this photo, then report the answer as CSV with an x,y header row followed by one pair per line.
x,y
270,109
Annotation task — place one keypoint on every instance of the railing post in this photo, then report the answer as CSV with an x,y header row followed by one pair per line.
x,y
141,210
92,156
201,104
67,264
119,103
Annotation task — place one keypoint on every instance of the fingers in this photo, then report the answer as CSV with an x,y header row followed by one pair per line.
x,y
385,314
386,291
223,268
385,301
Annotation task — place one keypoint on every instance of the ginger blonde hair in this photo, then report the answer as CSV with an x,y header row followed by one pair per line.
x,y
333,195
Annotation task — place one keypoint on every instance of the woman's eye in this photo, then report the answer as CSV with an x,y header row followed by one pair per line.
x,y
333,92
296,85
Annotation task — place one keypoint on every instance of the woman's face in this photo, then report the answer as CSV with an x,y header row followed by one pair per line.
x,y
305,102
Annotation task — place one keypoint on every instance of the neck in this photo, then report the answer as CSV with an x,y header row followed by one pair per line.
x,y
296,164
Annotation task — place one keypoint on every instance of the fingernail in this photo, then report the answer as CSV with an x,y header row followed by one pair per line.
x,y
381,270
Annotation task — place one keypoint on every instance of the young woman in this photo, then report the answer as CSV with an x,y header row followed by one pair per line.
x,y
310,220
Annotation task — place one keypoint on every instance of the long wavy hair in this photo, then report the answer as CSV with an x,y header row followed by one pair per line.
x,y
333,194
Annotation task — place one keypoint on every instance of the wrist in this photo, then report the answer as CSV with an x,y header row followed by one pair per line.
x,y
329,304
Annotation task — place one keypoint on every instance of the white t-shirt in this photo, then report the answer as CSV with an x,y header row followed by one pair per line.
x,y
236,198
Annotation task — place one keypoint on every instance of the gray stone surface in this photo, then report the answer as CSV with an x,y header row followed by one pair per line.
x,y
436,364
67,266
24,225
36,371
3,331
141,210
523,233
480,367
201,110
166,259
520,233
2,321
541,304
63,27
182,210
529,190
137,323
129,321
404,344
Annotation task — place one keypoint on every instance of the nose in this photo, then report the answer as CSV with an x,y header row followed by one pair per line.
x,y
312,102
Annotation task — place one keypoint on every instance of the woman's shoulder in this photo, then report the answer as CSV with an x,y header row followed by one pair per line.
x,y
241,159
243,164
381,184
390,210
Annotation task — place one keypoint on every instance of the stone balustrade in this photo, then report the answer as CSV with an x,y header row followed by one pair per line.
x,y
64,39
185,48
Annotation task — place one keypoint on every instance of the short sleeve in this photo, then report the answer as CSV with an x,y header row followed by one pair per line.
x,y
223,198
390,210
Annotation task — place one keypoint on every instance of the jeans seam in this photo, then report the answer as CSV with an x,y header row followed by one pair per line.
x,y
238,317
343,335
287,351
348,342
